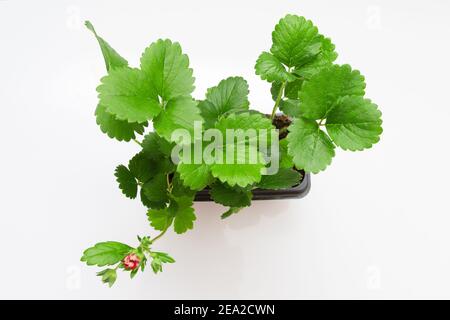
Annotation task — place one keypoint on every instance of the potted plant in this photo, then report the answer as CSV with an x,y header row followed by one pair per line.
x,y
318,106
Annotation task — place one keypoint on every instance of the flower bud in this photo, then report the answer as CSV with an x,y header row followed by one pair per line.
x,y
131,261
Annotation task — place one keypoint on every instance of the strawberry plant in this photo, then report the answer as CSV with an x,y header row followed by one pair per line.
x,y
318,106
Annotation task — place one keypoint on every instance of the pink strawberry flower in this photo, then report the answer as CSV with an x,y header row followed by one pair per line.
x,y
131,261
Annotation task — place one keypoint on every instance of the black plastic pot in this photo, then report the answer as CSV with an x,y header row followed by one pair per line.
x,y
296,192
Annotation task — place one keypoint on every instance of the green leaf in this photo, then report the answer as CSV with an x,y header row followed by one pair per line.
x,y
142,167
244,121
354,123
114,128
160,219
159,258
133,273
323,60
164,257
112,58
178,187
109,276
156,189
127,182
290,107
157,205
229,212
228,196
245,167
295,41
275,90
142,264
119,129
320,94
126,94
181,209
167,70
285,158
156,147
209,113
311,149
195,176
180,113
105,253
164,165
292,89
156,266
230,95
242,171
271,69
285,178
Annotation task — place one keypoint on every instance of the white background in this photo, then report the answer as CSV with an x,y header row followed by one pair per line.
x,y
376,224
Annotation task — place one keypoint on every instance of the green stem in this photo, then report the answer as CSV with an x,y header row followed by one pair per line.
x,y
169,189
161,234
169,184
277,102
139,143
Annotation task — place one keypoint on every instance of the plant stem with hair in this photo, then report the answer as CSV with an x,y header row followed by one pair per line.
x,y
277,102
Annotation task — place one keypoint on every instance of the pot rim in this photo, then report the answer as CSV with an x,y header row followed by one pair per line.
x,y
296,192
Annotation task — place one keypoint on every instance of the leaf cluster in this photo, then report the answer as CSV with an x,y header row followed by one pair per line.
x,y
326,101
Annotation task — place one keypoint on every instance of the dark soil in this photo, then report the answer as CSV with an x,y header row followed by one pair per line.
x,y
282,122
